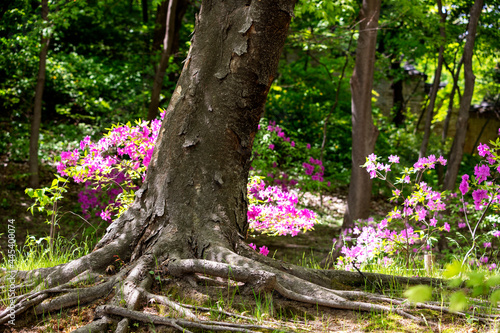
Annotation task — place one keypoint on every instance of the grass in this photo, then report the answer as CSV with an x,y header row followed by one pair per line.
x,y
265,309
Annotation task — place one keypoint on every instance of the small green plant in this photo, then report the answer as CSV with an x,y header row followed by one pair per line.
x,y
46,200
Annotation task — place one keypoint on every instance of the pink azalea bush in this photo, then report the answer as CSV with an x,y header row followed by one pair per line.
x,y
284,162
421,212
274,212
113,168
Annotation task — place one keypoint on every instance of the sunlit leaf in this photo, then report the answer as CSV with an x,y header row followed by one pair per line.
x,y
419,294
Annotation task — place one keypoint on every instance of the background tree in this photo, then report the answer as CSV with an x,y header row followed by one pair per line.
x,y
37,105
364,132
172,12
457,149
436,82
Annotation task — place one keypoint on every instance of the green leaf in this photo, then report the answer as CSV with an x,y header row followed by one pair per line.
x,y
419,294
458,301
455,283
493,281
29,191
453,269
495,297
54,183
475,279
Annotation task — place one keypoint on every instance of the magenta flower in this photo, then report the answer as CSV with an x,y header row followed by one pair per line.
x,y
308,146
271,146
461,225
85,142
433,222
253,246
483,150
487,244
292,144
464,185
481,172
422,214
106,215
264,251
478,196
446,227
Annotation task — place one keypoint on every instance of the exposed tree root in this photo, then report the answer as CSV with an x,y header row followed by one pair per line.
x,y
130,288
178,323
96,326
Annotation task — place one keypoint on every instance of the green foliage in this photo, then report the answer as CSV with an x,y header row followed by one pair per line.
x,y
46,200
419,294
458,301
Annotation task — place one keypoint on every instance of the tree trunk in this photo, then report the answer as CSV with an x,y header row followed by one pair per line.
x,y
435,84
455,74
37,107
398,98
457,149
364,132
164,58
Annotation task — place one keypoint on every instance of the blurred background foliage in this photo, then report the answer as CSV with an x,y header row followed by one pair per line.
x,y
101,65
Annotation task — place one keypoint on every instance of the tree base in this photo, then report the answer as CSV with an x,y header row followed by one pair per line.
x,y
127,288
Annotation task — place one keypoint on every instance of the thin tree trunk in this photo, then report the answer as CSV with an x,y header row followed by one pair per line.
x,y
165,56
364,132
457,149
34,180
398,99
435,84
455,74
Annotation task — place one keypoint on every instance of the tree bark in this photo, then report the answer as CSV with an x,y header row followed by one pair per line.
x,y
398,98
195,190
435,84
457,149
36,119
364,132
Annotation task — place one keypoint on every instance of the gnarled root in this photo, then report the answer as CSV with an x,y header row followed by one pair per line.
x,y
131,287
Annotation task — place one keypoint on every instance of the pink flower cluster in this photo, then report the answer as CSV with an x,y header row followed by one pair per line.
x,y
262,250
488,191
272,127
115,163
310,168
273,211
314,168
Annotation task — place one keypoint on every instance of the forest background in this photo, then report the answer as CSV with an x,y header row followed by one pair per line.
x,y
103,58
103,55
